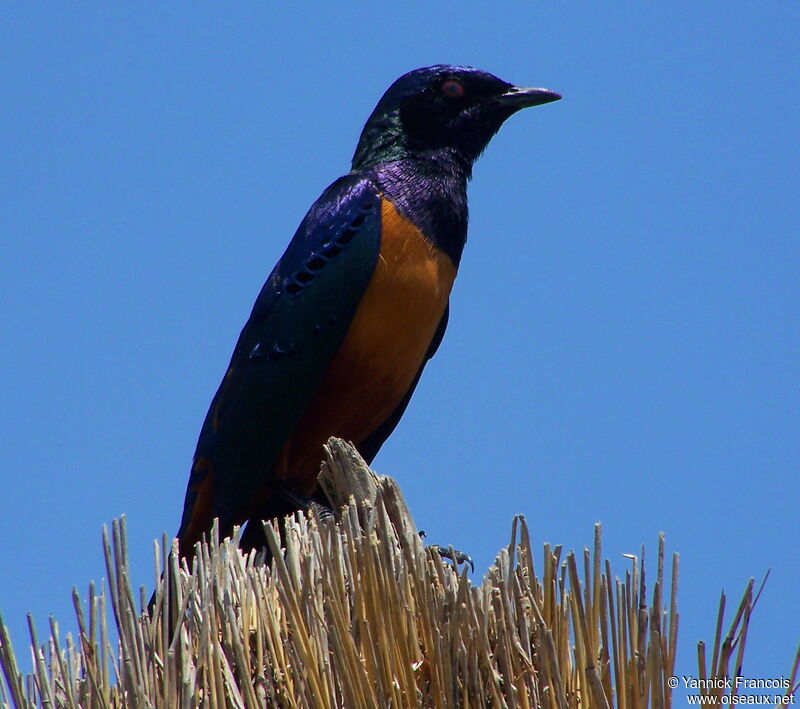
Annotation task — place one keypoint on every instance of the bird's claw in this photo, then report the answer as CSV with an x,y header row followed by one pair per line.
x,y
454,555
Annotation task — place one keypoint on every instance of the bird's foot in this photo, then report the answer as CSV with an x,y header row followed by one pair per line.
x,y
450,553
288,501
454,555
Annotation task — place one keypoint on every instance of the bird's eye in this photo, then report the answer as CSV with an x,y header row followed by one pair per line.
x,y
452,88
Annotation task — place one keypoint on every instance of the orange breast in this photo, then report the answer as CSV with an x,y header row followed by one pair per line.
x,y
382,351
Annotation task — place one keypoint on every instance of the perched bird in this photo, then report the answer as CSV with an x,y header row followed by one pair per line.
x,y
356,306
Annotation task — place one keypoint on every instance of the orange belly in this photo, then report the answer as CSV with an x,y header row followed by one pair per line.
x,y
382,352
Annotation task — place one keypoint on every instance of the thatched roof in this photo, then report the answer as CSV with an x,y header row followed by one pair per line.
x,y
358,612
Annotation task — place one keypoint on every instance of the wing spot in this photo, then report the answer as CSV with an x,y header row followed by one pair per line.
x,y
279,352
304,277
316,263
346,237
256,352
330,251
358,222
331,248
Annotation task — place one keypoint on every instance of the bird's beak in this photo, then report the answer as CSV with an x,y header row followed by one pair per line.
x,y
524,96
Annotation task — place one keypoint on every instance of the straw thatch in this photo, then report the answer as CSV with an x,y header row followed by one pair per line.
x,y
357,612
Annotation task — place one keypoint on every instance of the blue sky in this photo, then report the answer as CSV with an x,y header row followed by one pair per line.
x,y
623,341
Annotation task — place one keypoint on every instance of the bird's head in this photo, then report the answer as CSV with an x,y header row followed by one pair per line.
x,y
452,108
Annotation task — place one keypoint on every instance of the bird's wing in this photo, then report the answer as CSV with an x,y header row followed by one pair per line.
x,y
297,324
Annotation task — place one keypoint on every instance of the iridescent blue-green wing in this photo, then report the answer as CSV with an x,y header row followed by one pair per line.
x,y
297,325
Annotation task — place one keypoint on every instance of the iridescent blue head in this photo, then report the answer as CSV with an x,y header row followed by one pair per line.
x,y
441,108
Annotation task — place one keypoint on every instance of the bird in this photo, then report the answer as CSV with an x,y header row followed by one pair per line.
x,y
358,303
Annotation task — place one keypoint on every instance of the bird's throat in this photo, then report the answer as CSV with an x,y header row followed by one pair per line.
x,y
431,192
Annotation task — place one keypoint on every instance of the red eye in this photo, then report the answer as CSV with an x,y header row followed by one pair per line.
x,y
453,88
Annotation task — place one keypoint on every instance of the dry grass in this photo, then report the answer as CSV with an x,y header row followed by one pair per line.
x,y
358,613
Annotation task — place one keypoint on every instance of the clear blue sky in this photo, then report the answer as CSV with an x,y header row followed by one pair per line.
x,y
623,342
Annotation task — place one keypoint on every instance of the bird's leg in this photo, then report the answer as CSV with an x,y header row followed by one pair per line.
x,y
292,497
284,501
316,501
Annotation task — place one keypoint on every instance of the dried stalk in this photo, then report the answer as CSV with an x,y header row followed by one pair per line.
x,y
357,612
